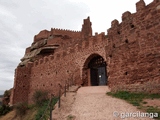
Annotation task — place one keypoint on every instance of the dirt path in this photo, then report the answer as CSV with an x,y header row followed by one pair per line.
x,y
92,103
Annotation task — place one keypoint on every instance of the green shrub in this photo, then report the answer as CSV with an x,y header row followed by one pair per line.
x,y
39,97
44,110
4,109
0,103
41,111
7,93
21,108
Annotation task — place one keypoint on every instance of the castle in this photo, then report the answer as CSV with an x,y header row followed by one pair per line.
x,y
127,58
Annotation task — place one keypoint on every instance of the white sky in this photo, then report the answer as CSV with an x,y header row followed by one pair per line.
x,y
20,20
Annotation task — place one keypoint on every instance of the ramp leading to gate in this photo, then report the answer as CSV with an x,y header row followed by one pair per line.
x,y
92,103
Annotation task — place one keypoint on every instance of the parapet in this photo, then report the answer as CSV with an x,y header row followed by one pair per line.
x,y
65,32
129,20
45,34
60,31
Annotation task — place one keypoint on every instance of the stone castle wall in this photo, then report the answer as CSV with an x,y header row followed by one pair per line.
x,y
134,50
131,50
65,64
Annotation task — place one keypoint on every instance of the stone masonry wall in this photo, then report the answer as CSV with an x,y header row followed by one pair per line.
x,y
21,84
131,50
65,64
134,50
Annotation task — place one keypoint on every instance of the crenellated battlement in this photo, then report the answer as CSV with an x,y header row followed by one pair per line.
x,y
45,34
63,30
44,60
136,20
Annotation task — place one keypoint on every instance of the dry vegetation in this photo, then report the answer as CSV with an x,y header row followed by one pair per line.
x,y
23,111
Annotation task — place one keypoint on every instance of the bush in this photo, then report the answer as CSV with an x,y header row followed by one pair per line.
x,y
4,109
0,103
7,93
41,111
21,108
39,97
44,110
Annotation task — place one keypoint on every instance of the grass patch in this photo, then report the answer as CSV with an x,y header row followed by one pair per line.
x,y
133,98
151,109
41,110
44,109
21,109
136,99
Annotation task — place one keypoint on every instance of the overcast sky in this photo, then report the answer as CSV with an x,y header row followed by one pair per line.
x,y
20,20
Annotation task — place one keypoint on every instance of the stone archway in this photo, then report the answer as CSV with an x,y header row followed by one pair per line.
x,y
94,71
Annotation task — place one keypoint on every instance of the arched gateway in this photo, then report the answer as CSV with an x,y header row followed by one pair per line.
x,y
95,70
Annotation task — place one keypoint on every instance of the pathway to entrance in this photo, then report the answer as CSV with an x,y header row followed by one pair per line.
x,y
92,103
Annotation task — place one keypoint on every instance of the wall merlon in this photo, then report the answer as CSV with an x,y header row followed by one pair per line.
x,y
140,5
109,31
114,23
46,59
51,57
29,64
41,60
126,16
36,62
96,33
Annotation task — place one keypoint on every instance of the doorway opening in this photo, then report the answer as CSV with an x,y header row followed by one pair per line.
x,y
94,72
97,67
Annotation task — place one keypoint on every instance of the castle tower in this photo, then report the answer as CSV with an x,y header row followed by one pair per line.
x,y
86,28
